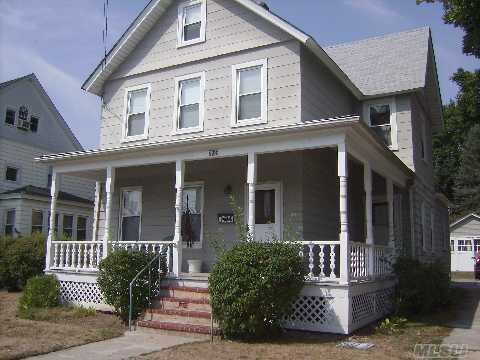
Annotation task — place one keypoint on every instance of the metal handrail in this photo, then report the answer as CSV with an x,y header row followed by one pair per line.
x,y
130,287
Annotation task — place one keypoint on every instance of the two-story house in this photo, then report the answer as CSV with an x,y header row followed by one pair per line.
x,y
204,99
31,126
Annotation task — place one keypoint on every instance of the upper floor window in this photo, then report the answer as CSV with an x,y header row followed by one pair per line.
x,y
382,118
192,17
37,221
12,174
249,93
10,115
10,222
189,103
137,100
131,214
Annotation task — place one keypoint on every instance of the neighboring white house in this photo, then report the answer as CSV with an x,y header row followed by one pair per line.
x,y
31,126
208,98
465,243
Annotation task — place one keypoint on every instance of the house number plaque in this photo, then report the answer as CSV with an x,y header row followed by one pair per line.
x,y
213,152
226,219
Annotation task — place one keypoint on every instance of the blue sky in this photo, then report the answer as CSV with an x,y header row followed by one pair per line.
x,y
61,41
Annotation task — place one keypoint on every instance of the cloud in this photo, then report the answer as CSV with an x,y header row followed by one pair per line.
x,y
374,7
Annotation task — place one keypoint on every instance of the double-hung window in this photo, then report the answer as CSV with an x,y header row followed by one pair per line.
x,y
249,93
192,16
464,245
192,219
10,222
12,174
37,221
81,228
382,118
67,227
137,101
131,214
10,116
189,103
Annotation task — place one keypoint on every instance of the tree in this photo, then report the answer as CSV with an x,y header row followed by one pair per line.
x,y
467,181
466,15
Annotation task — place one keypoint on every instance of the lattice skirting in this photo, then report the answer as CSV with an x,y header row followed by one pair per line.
x,y
370,306
308,311
80,293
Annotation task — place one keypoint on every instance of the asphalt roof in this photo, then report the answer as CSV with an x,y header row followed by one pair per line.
x,y
44,192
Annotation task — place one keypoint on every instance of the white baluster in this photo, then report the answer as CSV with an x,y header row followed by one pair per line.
x,y
98,247
61,256
55,256
332,262
310,260
79,255
321,253
92,246
85,256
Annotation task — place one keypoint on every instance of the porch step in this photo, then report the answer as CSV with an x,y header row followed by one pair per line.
x,y
191,293
182,313
182,304
191,328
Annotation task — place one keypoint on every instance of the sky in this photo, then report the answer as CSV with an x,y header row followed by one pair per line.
x,y
61,42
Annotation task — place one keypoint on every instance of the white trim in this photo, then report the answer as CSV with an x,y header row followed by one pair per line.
x,y
144,136
120,216
181,22
176,108
391,102
463,219
235,84
201,185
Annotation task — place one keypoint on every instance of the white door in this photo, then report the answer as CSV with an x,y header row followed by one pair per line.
x,y
268,212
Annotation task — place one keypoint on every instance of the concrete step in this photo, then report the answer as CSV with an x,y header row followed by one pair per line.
x,y
193,293
182,304
191,328
172,317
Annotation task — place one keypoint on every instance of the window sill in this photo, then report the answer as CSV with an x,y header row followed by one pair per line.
x,y
189,43
134,138
250,122
393,148
187,131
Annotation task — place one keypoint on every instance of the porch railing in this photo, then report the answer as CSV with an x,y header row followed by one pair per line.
x,y
369,261
76,255
322,259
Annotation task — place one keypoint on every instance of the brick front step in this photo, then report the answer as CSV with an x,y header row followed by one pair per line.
x,y
184,300
191,328
186,289
185,293
184,313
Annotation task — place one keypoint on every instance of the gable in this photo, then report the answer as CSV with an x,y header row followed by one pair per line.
x,y
469,226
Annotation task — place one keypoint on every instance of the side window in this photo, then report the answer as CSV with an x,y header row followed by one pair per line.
x,y
189,103
10,222
249,93
81,228
382,118
12,174
10,116
192,19
131,214
37,221
192,220
137,113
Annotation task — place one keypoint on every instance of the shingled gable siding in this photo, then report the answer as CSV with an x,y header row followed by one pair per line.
x,y
470,227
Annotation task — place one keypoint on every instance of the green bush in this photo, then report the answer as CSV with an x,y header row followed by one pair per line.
x,y
116,272
41,291
23,258
253,285
422,288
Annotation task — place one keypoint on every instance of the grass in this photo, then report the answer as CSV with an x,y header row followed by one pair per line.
x,y
50,329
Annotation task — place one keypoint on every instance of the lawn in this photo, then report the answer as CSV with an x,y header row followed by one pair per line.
x,y
53,330
297,345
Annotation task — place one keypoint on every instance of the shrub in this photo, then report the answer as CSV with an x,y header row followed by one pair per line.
x,y
24,257
393,325
116,272
253,285
422,288
41,291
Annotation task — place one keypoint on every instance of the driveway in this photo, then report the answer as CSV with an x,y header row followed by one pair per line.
x,y
467,319
132,344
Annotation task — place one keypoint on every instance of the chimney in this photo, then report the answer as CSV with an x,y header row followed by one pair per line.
x,y
262,4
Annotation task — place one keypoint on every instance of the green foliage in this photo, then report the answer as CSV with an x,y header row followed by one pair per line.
x,y
23,258
467,181
60,313
393,325
466,15
422,288
41,291
116,272
253,285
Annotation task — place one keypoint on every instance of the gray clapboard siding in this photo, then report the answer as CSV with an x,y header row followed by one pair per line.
x,y
468,228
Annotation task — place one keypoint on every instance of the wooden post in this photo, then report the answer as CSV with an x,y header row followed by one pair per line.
x,y
251,181
369,240
96,209
53,208
344,236
109,189
177,238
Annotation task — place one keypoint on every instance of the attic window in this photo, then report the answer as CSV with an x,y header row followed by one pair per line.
x,y
191,22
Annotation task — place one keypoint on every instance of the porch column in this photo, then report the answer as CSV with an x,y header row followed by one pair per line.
x,y
109,190
391,226
53,208
177,238
344,236
96,210
369,240
252,181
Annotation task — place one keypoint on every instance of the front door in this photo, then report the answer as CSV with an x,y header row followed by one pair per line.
x,y
268,211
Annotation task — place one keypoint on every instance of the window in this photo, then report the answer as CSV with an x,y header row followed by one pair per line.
x,y
464,245
67,227
131,214
137,112
265,206
23,122
37,221
192,219
10,222
249,98
49,177
34,124
11,174
189,91
452,245
10,117
192,18
81,228
476,245
381,117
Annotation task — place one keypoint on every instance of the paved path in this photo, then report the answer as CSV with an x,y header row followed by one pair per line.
x,y
467,319
142,341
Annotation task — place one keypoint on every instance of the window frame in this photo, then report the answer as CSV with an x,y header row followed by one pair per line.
x,y
7,166
391,102
201,185
72,237
77,228
263,119
181,23
144,136
7,224
201,108
37,226
464,246
15,110
120,212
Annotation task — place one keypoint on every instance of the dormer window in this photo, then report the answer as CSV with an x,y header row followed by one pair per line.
x,y
137,101
192,17
381,117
